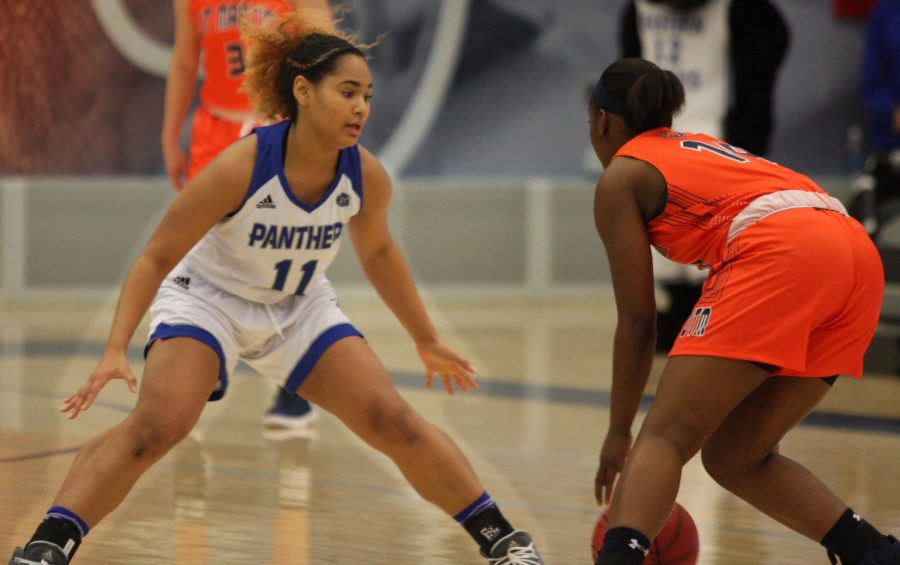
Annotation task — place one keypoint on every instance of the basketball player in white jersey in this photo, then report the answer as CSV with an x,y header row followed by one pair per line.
x,y
237,269
727,54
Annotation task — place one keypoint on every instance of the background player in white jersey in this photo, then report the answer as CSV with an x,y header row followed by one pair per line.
x,y
727,54
264,220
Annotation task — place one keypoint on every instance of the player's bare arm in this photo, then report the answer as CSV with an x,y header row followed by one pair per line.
x,y
180,83
620,223
217,190
386,269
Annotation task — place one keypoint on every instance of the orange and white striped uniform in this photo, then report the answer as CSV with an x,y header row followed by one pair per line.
x,y
794,281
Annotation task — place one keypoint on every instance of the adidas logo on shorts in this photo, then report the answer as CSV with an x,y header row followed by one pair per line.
x,y
266,202
183,282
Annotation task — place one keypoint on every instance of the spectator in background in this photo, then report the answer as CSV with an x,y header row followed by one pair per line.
x,y
881,92
881,75
727,54
851,9
207,37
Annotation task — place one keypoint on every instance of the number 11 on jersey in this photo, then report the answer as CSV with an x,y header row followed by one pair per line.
x,y
283,269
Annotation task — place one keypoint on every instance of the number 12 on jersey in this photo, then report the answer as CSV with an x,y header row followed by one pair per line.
x,y
727,151
283,269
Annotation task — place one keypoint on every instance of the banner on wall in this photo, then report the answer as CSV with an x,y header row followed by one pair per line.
x,y
91,101
72,104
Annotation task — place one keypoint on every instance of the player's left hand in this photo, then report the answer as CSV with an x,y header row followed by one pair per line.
x,y
442,361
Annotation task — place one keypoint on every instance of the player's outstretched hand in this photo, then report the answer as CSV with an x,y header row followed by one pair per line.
x,y
442,361
111,366
612,460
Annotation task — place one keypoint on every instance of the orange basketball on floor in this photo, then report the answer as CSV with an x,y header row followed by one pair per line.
x,y
676,544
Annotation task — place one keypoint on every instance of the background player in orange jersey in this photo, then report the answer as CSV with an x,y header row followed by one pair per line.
x,y
207,37
791,301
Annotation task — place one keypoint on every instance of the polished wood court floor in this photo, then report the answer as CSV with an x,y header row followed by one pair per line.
x,y
234,494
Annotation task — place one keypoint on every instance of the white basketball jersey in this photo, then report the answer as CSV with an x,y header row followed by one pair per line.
x,y
275,245
694,45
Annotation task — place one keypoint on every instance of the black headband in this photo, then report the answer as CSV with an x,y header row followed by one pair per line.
x,y
603,98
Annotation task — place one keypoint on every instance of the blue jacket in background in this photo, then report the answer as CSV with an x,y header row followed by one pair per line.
x,y
881,73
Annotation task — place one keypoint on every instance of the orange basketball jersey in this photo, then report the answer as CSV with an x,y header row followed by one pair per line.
x,y
217,24
709,182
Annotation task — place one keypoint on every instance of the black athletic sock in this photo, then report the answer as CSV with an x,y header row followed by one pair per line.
x,y
61,533
484,522
623,546
851,538
62,528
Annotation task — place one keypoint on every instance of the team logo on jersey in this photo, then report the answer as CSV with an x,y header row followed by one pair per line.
x,y
696,324
490,532
343,200
266,202
183,282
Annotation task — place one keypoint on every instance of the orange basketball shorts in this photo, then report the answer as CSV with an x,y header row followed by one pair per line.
x,y
209,136
800,290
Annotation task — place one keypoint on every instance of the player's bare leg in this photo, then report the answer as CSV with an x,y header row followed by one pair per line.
x,y
350,382
179,375
742,455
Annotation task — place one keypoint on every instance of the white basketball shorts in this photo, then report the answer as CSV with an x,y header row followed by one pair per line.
x,y
282,341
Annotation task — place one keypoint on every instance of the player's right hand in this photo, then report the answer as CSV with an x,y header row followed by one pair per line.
x,y
612,460
176,165
113,365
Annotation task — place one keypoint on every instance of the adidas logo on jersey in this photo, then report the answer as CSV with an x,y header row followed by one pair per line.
x,y
183,282
266,202
343,200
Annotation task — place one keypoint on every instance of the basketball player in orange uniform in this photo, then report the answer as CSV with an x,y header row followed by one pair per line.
x,y
792,300
207,36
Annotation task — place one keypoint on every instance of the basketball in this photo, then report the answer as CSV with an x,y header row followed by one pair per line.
x,y
676,544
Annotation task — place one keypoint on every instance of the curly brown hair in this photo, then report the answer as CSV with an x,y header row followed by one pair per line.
x,y
279,53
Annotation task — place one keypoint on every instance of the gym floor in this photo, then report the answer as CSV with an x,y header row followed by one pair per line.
x,y
236,493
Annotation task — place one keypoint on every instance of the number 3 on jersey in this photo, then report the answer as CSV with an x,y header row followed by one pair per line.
x,y
283,269
234,60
